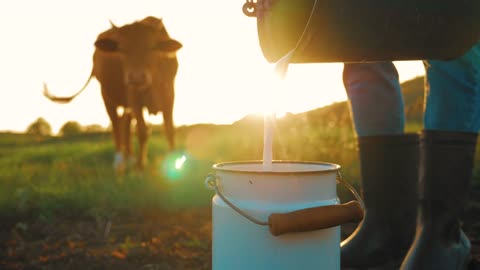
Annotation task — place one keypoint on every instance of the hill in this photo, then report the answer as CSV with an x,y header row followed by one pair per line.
x,y
339,113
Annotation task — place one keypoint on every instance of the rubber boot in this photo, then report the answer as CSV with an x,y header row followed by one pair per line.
x,y
389,168
447,160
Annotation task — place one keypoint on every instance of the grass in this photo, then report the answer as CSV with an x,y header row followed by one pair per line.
x,y
46,177
51,176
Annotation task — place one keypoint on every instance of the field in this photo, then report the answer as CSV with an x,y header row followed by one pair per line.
x,y
63,207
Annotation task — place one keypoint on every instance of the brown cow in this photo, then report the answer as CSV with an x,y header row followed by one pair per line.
x,y
136,66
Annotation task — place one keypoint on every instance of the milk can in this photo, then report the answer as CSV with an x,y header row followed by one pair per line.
x,y
284,218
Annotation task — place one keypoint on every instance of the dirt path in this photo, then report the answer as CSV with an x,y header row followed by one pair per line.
x,y
151,241
154,240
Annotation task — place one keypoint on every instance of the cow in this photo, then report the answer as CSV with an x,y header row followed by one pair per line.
x,y
136,65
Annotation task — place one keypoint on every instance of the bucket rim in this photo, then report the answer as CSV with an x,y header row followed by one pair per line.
x,y
221,167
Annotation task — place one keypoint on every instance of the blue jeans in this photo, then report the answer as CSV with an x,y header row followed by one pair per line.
x,y
452,95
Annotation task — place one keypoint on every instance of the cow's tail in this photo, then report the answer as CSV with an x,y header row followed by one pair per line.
x,y
53,98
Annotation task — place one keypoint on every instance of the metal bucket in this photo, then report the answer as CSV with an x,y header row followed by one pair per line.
x,y
286,218
369,30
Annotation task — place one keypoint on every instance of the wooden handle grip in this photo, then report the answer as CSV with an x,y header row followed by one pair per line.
x,y
315,218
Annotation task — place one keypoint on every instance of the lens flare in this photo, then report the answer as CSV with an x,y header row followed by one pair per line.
x,y
174,167
179,162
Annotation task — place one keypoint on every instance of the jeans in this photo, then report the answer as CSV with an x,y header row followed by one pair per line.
x,y
452,95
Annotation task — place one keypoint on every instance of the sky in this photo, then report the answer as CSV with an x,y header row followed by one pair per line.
x,y
222,74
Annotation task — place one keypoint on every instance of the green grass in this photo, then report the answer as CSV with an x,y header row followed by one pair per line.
x,y
54,176
46,177
75,176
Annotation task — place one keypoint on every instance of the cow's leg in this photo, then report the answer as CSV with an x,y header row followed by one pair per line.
x,y
168,101
127,136
118,162
169,128
142,134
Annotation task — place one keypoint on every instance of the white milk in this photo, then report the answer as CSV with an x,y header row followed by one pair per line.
x,y
268,126
281,68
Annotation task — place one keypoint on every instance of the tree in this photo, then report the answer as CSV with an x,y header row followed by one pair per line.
x,y
39,127
94,128
70,128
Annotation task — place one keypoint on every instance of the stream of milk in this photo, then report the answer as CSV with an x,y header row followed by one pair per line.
x,y
281,68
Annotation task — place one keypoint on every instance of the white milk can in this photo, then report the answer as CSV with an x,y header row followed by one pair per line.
x,y
286,218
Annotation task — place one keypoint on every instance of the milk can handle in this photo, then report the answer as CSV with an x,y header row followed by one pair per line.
x,y
351,188
211,183
310,219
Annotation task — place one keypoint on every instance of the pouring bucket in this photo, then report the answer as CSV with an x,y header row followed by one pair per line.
x,y
286,218
369,30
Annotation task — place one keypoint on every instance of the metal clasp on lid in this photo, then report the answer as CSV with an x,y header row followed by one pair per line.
x,y
250,8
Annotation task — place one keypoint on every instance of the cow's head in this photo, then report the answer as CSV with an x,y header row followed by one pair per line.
x,y
140,46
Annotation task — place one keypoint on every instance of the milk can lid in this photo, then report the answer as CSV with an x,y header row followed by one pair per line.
x,y
278,167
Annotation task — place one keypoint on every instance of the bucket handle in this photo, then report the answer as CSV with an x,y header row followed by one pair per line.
x,y
304,220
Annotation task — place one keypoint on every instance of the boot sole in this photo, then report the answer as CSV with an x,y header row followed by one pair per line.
x,y
385,266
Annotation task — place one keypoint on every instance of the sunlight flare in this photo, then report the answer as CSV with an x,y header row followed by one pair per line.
x,y
174,166
180,162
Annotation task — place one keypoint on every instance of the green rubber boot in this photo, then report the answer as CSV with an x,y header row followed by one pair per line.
x,y
447,160
389,168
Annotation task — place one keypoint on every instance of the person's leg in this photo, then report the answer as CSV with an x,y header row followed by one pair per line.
x,y
452,121
373,90
389,161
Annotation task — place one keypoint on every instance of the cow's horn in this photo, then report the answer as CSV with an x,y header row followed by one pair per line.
x,y
112,24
